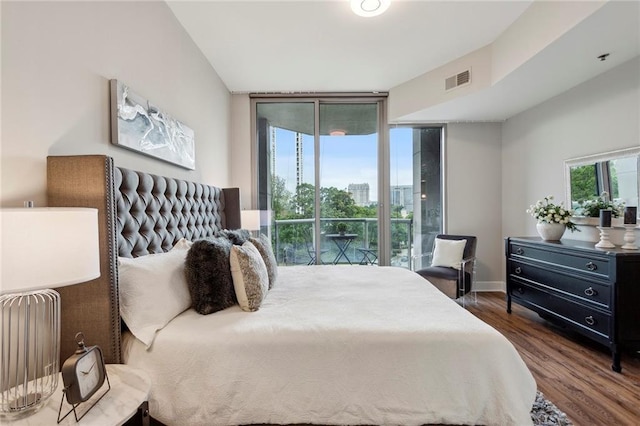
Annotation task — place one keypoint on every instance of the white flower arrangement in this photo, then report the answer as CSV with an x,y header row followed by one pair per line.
x,y
547,212
591,208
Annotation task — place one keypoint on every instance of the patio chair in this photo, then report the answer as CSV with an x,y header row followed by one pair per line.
x,y
311,248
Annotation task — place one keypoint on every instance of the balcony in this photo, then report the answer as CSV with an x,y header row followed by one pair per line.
x,y
293,241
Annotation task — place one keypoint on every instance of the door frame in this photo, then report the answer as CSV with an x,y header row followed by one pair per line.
x,y
384,205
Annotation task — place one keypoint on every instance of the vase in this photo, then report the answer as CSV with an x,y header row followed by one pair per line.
x,y
551,231
585,220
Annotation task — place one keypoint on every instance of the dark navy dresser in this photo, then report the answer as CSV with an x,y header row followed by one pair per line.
x,y
591,291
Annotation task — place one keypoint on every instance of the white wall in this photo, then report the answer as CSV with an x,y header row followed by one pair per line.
x,y
600,115
427,90
57,59
244,168
542,23
473,192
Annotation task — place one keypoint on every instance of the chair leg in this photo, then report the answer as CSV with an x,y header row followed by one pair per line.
x,y
473,280
475,296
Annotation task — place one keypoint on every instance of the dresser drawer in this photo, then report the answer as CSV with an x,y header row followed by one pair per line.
x,y
590,265
589,321
588,290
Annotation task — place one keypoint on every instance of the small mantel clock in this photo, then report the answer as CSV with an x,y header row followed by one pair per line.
x,y
83,374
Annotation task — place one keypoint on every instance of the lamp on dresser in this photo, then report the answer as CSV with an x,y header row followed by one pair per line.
x,y
41,249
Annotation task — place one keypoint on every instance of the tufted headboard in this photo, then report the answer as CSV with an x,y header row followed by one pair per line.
x,y
138,214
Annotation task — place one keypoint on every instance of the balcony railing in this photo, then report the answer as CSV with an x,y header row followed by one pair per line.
x,y
294,241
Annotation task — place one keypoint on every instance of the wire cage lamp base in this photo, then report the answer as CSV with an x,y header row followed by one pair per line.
x,y
29,351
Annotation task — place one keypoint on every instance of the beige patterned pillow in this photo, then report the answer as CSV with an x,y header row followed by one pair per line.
x,y
249,273
263,244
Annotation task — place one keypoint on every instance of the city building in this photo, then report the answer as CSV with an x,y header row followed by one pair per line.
x,y
402,195
360,193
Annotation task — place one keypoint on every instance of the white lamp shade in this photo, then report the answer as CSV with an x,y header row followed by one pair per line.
x,y
250,219
48,247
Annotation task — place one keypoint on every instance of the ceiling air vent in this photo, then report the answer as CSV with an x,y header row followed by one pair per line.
x,y
457,80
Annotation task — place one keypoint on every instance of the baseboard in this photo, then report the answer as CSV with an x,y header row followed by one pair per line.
x,y
482,286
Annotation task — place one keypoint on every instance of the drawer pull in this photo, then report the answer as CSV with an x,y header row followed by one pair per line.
x,y
591,266
518,270
520,290
590,292
519,251
589,320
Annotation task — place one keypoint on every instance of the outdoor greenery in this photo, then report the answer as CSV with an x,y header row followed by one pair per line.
x,y
584,184
341,227
334,204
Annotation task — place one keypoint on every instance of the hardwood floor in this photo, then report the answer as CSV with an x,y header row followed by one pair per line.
x,y
571,371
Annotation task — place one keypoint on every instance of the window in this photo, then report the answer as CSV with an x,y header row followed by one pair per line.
x,y
342,188
318,163
416,187
616,173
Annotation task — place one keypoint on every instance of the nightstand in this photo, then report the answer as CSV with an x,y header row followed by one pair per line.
x,y
125,403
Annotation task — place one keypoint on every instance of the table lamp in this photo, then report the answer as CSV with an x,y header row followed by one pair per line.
x,y
250,220
40,249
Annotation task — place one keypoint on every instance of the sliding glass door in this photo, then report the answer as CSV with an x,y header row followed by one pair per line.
x,y
318,163
343,190
348,182
285,133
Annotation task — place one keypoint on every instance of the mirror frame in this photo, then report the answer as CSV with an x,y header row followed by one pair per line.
x,y
596,158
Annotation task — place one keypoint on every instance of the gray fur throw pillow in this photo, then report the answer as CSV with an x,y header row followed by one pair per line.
x,y
250,277
209,275
263,244
237,236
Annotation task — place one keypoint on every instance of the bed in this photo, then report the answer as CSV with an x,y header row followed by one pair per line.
x,y
329,345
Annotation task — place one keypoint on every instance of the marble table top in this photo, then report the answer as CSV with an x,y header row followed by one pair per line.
x,y
130,387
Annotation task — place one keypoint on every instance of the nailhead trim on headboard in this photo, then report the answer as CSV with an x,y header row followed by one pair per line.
x,y
114,288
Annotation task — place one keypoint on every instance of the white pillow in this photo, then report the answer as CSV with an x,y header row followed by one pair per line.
x,y
183,243
153,291
249,274
448,253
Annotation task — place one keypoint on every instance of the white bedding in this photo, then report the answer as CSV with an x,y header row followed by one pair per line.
x,y
336,345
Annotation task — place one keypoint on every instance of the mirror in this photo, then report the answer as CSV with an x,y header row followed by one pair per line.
x,y
614,172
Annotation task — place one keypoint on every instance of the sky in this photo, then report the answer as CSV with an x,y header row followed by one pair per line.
x,y
345,159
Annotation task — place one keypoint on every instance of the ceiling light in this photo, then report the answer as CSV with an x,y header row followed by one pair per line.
x,y
368,8
337,132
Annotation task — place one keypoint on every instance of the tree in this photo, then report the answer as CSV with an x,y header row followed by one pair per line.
x,y
367,211
304,201
583,183
280,198
336,203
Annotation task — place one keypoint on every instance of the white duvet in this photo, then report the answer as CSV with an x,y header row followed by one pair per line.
x,y
336,345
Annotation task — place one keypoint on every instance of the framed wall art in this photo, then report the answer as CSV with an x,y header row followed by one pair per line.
x,y
139,125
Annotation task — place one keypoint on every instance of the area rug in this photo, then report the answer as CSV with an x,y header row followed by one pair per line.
x,y
545,413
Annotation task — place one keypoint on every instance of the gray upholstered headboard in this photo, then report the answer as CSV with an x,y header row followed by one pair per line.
x,y
138,214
